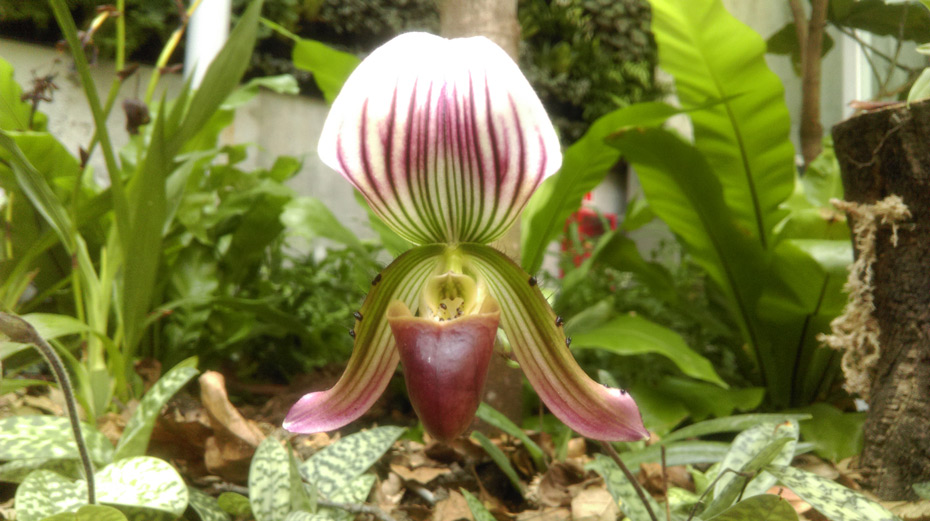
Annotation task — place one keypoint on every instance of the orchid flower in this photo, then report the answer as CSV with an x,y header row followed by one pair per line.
x,y
447,141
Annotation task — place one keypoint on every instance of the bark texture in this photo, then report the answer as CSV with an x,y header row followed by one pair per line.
x,y
496,20
881,154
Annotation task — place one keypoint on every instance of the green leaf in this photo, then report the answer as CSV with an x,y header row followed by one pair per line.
x,y
330,67
785,42
584,166
354,492
8,385
222,77
311,218
629,335
836,502
678,453
921,88
895,19
731,424
836,435
493,417
142,482
90,513
235,504
500,459
343,461
622,490
744,482
270,481
748,445
50,326
14,112
477,508
207,507
745,138
49,437
767,507
135,438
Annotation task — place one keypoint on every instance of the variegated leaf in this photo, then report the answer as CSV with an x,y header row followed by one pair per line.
x,y
44,493
269,481
765,507
16,471
736,486
745,447
90,513
622,490
836,502
337,465
354,492
299,515
48,437
206,506
135,439
477,508
143,481
235,504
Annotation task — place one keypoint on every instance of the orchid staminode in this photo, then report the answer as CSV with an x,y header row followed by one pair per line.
x,y
447,141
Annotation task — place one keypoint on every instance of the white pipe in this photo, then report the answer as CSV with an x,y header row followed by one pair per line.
x,y
206,33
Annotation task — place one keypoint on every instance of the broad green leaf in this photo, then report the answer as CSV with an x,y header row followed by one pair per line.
x,y
767,507
748,445
222,77
17,470
309,217
90,513
494,418
499,458
143,482
135,438
343,461
329,66
477,508
622,490
269,481
735,423
282,84
207,507
921,88
744,482
745,138
836,502
678,453
661,411
8,385
14,112
235,504
785,42
684,192
903,20
584,166
704,399
48,437
629,335
50,325
836,435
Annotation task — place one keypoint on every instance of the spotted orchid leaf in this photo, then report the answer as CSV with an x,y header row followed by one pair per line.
x,y
374,356
445,138
540,346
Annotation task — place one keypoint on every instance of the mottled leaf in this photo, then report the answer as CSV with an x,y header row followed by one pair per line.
x,y
335,466
478,510
766,507
49,437
143,481
836,502
135,439
621,489
16,471
733,423
751,442
44,493
207,507
739,481
90,513
269,481
354,492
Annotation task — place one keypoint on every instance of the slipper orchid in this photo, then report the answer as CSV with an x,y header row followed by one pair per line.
x,y
447,141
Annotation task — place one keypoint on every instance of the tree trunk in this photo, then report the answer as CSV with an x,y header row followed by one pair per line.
x,y
496,20
884,154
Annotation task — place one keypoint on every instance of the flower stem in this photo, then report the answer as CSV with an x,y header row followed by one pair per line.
x,y
630,477
167,51
18,330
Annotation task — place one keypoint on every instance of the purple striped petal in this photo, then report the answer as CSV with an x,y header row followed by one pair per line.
x,y
445,138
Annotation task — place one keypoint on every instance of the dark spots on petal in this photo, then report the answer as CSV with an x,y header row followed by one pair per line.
x,y
352,333
443,306
532,281
568,341
357,315
622,391
559,321
376,280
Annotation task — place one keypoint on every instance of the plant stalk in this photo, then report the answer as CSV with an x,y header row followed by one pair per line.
x,y
18,330
167,51
630,477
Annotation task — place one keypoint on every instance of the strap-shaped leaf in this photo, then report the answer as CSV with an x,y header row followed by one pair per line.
x,y
767,506
746,447
622,490
337,465
836,502
478,510
135,438
269,481
353,493
207,507
48,437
